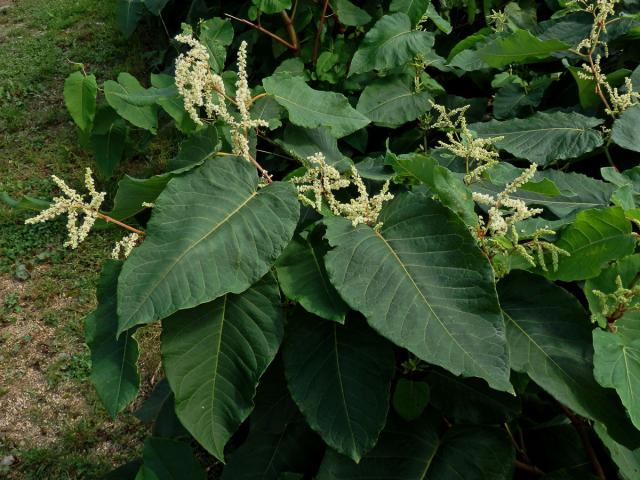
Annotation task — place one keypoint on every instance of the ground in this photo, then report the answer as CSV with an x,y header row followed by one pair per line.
x,y
51,423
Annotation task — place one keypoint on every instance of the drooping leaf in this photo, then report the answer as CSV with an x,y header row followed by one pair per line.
x,y
518,47
123,97
350,14
128,14
391,43
272,6
330,370
595,237
80,98
170,460
391,102
311,108
214,355
216,34
108,147
544,137
625,129
199,218
133,192
422,282
415,451
513,98
410,398
414,9
25,202
549,337
303,277
114,370
173,104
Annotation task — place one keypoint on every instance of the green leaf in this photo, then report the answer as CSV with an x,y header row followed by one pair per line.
x,y
216,34
173,104
340,377
272,6
391,102
414,9
391,43
549,337
170,460
625,129
586,91
597,236
25,202
518,47
155,6
442,24
124,97
195,150
199,218
410,398
80,98
628,461
304,142
108,147
128,14
114,370
303,277
451,190
266,455
214,355
133,192
414,451
511,99
469,400
311,108
351,15
422,282
544,137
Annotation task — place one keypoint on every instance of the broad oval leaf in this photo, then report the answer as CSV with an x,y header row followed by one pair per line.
x,y
114,369
414,451
311,108
518,47
213,356
391,102
212,232
123,96
549,337
350,14
596,237
391,43
422,282
415,9
168,459
128,14
303,277
544,137
80,98
624,131
340,377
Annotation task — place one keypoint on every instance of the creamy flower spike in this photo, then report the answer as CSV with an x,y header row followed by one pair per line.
x,y
322,180
73,204
198,86
124,247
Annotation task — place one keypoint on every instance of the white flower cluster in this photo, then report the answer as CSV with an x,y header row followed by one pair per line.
x,y
73,204
601,11
322,180
614,305
505,211
463,143
198,86
124,247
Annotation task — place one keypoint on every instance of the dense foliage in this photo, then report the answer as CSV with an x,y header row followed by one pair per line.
x,y
405,246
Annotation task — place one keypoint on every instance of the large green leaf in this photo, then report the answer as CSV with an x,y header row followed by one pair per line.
x,y
518,47
422,282
128,14
80,98
340,377
303,277
549,337
311,108
391,43
216,34
114,370
391,102
415,9
411,451
272,6
544,137
213,356
173,103
350,14
212,232
155,6
124,97
133,192
167,459
628,461
305,142
597,236
625,129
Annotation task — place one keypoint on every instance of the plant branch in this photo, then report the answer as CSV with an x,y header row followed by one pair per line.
x,y
580,427
260,28
109,219
293,36
525,467
316,45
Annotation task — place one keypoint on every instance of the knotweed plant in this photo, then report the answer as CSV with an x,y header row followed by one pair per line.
x,y
615,304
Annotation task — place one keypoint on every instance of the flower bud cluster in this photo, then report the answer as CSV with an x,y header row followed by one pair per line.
x,y
73,205
123,248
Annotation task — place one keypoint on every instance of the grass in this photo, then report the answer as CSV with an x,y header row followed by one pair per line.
x,y
50,418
